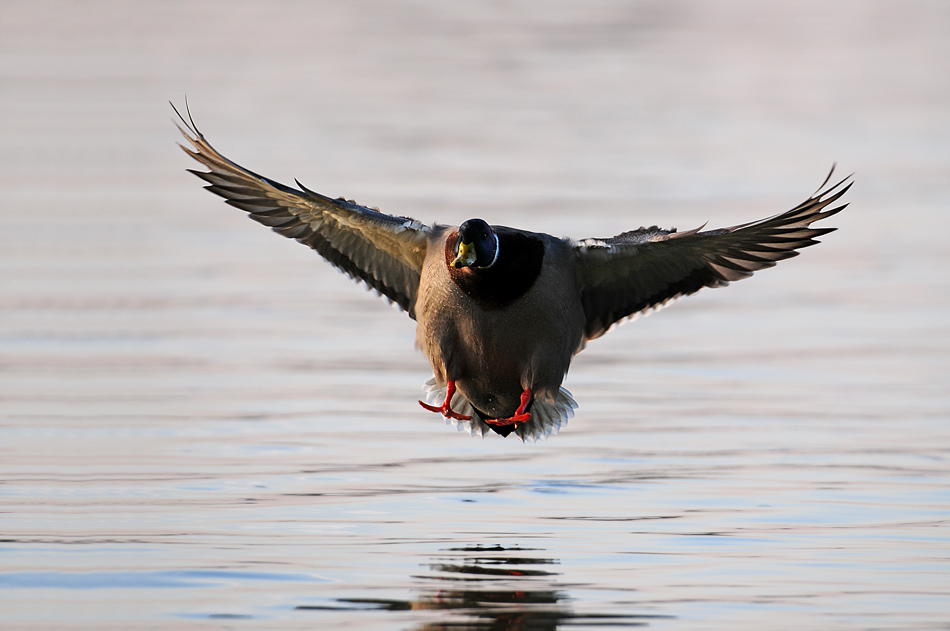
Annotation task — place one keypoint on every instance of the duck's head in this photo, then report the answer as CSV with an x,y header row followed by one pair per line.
x,y
478,245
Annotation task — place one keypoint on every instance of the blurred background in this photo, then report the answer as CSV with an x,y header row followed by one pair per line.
x,y
203,422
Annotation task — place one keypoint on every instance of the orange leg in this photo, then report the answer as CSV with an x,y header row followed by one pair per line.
x,y
446,409
520,415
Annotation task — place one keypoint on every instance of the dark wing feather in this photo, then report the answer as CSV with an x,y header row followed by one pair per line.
x,y
383,251
643,269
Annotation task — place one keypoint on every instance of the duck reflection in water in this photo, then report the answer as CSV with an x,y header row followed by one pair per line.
x,y
493,587
506,586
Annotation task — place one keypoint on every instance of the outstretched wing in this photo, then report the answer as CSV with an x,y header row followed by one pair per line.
x,y
643,269
383,251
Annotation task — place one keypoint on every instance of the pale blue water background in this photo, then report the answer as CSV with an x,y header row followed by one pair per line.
x,y
205,426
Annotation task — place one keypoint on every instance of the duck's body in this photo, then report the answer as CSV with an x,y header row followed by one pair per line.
x,y
500,330
502,311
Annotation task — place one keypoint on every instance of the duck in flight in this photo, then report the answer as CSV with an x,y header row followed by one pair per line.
x,y
501,312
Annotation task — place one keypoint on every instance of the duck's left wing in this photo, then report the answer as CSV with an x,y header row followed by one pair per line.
x,y
643,269
383,251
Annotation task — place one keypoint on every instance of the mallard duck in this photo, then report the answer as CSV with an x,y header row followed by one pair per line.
x,y
501,312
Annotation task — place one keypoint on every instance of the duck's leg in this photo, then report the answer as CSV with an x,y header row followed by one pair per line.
x,y
446,409
520,416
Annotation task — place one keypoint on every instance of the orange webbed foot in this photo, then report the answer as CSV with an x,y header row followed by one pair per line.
x,y
446,408
520,416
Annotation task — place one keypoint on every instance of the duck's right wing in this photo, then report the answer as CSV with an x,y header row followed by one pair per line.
x,y
383,251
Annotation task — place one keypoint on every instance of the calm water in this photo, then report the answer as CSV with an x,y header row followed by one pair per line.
x,y
203,425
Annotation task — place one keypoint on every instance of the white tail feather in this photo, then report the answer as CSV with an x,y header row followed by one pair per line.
x,y
548,415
